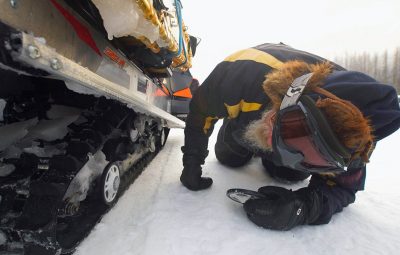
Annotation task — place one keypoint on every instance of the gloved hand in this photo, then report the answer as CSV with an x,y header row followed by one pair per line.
x,y
283,209
191,174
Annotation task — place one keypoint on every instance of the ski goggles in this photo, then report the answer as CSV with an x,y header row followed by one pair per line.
x,y
302,137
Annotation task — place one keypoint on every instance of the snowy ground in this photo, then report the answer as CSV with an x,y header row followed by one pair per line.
x,y
157,215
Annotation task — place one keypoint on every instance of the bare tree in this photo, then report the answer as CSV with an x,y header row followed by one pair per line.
x,y
384,66
396,69
376,66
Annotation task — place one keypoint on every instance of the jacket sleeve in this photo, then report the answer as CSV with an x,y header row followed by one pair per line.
x,y
205,108
336,192
327,194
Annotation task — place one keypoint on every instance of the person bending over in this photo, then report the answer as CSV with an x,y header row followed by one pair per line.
x,y
304,116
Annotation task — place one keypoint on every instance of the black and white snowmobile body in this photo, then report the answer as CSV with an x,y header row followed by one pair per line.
x,y
80,117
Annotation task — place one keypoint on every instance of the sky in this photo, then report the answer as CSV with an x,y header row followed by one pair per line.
x,y
157,215
327,28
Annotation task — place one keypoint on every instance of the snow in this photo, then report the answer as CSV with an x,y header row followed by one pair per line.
x,y
3,237
6,169
19,137
80,89
2,106
12,152
50,130
11,133
46,151
157,215
123,18
59,111
79,186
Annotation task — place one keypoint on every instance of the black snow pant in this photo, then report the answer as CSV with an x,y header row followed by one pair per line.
x,y
230,153
227,150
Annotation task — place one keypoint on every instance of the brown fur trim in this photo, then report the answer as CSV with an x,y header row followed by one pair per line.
x,y
259,132
278,81
350,126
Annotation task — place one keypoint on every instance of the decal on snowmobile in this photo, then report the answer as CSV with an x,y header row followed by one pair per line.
x,y
82,31
114,57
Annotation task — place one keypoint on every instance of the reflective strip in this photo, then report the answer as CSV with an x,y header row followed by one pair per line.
x,y
257,56
330,183
328,174
242,106
208,123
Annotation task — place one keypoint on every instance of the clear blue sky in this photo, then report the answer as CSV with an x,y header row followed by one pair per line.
x,y
326,28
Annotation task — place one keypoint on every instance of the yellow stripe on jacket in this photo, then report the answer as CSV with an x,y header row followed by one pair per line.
x,y
257,56
243,106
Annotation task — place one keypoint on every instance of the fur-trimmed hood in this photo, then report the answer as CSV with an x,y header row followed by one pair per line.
x,y
277,82
351,127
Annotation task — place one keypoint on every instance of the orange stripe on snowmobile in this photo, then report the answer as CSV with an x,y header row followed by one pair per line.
x,y
114,57
160,93
184,93
166,91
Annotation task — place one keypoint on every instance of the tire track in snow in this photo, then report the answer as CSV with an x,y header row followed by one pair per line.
x,y
134,212
165,162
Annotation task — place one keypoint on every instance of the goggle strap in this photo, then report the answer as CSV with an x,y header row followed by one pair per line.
x,y
326,93
295,90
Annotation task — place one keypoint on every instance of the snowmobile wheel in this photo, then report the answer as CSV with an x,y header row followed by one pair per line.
x,y
110,182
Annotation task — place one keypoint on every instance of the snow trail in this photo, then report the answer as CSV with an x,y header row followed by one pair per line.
x,y
157,215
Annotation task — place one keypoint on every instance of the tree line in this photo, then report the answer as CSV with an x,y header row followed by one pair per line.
x,y
384,67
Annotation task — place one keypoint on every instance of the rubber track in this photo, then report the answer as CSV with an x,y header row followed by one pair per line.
x,y
127,179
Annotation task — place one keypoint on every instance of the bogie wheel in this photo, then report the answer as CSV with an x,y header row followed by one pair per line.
x,y
110,182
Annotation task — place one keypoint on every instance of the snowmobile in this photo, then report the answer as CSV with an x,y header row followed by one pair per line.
x,y
87,99
182,86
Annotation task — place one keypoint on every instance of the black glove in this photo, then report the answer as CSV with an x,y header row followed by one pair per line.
x,y
191,174
283,209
